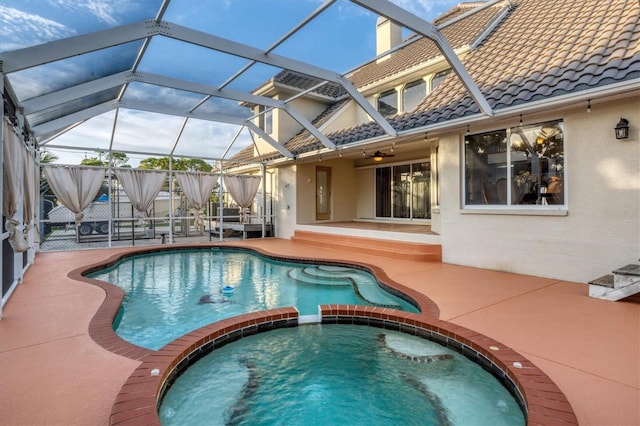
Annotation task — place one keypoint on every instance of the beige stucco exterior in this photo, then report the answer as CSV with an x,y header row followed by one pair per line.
x,y
598,231
284,127
344,189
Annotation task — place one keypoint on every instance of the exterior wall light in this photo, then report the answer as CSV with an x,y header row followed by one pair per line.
x,y
622,129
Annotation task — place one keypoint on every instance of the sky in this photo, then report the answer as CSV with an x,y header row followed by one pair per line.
x,y
341,38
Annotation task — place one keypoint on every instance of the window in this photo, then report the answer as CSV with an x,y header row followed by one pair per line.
x,y
403,191
518,166
413,94
388,103
438,77
265,119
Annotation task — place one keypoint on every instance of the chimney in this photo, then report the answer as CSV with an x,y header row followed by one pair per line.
x,y
388,35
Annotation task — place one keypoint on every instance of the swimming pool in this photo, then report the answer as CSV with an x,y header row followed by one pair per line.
x,y
337,374
170,293
159,369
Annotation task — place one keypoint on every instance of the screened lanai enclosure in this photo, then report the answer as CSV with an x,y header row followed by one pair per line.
x,y
105,102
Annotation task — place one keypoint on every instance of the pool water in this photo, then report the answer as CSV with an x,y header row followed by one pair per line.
x,y
168,294
337,375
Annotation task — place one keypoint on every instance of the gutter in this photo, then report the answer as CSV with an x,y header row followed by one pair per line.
x,y
610,91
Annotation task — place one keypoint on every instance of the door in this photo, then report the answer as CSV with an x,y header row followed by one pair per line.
x,y
323,193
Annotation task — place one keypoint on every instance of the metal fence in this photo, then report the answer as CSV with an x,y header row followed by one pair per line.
x,y
112,223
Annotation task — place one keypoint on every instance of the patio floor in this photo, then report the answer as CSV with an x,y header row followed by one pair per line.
x,y
53,373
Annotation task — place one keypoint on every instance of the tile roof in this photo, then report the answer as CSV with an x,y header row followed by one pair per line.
x,y
458,35
300,142
542,49
545,48
304,81
246,156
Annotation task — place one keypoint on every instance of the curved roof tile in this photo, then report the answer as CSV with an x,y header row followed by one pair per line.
x,y
542,49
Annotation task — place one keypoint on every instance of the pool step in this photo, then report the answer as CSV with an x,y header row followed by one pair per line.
x,y
309,319
367,289
373,293
333,269
372,246
303,276
366,286
622,282
316,271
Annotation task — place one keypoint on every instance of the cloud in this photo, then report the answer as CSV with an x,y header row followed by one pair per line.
x,y
106,11
20,29
155,134
138,131
426,9
31,83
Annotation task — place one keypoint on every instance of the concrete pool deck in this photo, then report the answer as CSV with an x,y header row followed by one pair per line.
x,y
53,373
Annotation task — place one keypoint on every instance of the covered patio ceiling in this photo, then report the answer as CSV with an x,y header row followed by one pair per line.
x,y
174,77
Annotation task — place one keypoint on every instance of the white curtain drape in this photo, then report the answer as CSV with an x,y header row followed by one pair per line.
x,y
74,186
12,186
243,190
197,188
142,187
31,193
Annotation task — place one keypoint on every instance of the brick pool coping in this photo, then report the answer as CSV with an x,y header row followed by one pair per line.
x,y
138,400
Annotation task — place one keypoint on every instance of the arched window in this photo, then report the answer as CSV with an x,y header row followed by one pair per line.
x,y
438,77
388,103
413,94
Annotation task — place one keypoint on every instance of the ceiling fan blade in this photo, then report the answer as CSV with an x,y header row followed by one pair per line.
x,y
379,155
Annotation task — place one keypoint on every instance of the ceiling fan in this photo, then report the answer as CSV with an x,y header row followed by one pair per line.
x,y
379,156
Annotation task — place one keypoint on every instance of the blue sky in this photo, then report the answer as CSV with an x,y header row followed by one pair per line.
x,y
341,38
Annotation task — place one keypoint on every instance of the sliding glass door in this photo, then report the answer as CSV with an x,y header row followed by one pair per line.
x,y
402,191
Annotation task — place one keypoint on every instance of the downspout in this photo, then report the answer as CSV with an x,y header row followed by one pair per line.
x,y
220,210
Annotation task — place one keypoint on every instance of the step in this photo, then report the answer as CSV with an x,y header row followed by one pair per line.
x,y
372,246
623,282
604,281
333,269
303,277
319,271
630,269
372,293
613,294
626,275
364,286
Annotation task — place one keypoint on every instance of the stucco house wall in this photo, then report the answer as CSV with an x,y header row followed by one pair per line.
x,y
285,127
350,114
601,228
598,228
366,196
306,192
344,191
285,201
